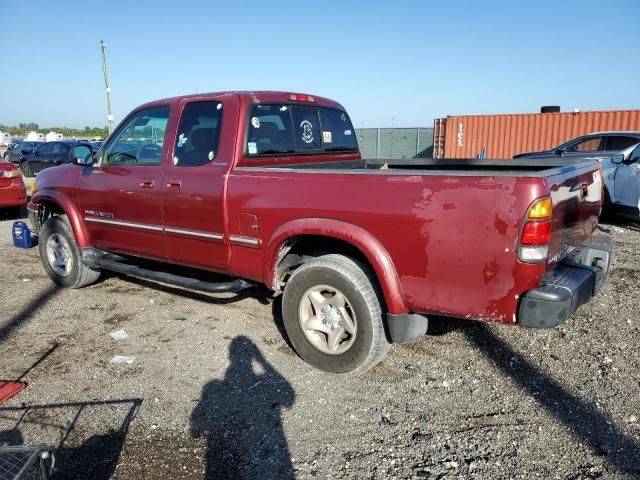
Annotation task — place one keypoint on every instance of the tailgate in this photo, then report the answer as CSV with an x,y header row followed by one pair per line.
x,y
576,193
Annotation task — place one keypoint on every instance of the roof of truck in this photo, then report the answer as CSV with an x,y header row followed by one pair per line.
x,y
256,96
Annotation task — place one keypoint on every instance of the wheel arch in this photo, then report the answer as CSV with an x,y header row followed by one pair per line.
x,y
313,236
53,202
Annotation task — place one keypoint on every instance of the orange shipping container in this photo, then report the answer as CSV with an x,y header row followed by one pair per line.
x,y
503,136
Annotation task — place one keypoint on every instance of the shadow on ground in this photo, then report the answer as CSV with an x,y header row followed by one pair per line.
x,y
240,418
582,418
94,457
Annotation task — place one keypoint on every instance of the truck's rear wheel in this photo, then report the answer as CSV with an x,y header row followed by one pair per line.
x,y
61,257
333,317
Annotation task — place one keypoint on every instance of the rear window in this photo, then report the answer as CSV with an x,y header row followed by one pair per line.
x,y
280,129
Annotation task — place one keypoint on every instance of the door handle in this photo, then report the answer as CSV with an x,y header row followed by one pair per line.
x,y
146,184
174,184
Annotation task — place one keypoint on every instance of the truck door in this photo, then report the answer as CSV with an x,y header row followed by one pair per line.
x,y
627,181
194,183
120,197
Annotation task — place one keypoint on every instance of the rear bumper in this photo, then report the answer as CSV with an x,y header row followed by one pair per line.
x,y
571,284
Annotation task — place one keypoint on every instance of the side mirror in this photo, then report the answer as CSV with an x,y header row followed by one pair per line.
x,y
617,158
560,152
81,154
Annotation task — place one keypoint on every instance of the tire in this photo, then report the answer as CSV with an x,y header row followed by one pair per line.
x,y
61,257
25,168
328,280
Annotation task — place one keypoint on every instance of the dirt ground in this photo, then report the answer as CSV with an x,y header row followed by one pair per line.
x,y
216,392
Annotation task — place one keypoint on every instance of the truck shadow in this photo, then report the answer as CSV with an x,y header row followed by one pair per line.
x,y
77,456
18,319
240,418
594,428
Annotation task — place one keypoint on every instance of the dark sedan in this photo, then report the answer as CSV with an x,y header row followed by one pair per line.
x,y
47,155
19,150
602,144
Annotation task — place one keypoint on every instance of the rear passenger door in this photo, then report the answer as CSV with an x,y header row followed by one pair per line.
x,y
41,157
193,186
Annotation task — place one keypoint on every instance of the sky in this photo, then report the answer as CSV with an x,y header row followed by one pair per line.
x,y
390,63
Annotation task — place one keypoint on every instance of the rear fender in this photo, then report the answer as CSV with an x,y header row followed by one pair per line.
x,y
68,206
370,247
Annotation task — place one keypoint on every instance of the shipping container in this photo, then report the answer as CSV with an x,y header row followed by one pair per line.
x,y
503,136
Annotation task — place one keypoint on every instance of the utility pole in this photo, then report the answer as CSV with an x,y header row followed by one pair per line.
x,y
102,46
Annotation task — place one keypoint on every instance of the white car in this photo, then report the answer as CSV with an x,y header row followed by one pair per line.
x,y
621,174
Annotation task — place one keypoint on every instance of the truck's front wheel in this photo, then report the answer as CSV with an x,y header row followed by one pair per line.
x,y
60,255
333,317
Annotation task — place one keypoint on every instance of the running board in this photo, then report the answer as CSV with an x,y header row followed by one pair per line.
x,y
94,258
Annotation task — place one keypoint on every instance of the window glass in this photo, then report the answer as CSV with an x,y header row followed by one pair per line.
x,y
587,145
198,134
306,128
141,139
59,148
270,130
635,155
337,131
616,143
46,148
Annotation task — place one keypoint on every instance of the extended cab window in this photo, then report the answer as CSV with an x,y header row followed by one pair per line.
x,y
287,129
140,140
198,134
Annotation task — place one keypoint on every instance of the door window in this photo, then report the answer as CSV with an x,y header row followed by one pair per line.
x,y
44,149
615,143
198,134
587,145
59,148
140,140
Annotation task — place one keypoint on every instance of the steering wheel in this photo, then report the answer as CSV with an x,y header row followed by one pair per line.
x,y
150,150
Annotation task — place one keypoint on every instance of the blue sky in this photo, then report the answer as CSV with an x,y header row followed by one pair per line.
x,y
389,63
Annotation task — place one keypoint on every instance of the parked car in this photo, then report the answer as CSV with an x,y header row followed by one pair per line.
x,y
95,145
622,183
277,194
599,143
19,150
12,191
47,155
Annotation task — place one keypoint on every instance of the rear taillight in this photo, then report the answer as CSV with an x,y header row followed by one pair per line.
x,y
13,173
536,231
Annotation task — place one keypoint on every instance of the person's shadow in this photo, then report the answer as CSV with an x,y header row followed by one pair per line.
x,y
240,417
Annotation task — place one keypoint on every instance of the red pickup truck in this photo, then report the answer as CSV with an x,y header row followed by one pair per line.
x,y
269,187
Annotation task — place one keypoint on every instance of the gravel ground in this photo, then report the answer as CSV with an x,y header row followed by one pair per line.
x,y
216,392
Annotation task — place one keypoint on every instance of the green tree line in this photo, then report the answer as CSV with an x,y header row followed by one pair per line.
x,y
22,129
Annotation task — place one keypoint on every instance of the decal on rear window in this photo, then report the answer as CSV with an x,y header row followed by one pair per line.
x,y
307,131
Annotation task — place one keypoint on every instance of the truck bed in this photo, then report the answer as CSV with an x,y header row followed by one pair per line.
x,y
439,220
427,166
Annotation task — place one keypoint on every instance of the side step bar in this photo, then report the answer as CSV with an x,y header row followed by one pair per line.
x,y
94,258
